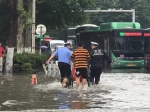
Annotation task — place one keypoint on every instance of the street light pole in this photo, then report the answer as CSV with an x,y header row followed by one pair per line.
x,y
114,10
133,15
33,25
40,39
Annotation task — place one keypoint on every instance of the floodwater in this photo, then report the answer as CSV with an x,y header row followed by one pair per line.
x,y
117,92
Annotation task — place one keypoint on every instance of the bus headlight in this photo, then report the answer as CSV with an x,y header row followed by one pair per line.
x,y
142,63
113,61
117,62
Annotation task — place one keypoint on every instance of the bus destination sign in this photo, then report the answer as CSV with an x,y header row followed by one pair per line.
x,y
146,34
130,34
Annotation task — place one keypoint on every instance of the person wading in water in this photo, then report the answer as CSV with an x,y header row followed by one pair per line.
x,y
63,55
80,58
97,62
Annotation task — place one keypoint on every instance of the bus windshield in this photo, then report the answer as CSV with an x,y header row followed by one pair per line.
x,y
129,46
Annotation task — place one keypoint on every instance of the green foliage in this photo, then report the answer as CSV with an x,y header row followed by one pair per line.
x,y
25,62
57,14
26,67
4,20
24,14
141,7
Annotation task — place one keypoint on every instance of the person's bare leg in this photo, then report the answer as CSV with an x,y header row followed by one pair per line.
x,y
77,82
83,83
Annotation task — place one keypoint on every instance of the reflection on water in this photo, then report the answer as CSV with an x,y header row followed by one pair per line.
x,y
78,103
142,70
116,91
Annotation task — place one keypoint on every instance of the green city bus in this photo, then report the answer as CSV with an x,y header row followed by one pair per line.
x,y
123,41
73,33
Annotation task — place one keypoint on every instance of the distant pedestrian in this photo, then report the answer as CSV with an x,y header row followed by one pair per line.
x,y
63,55
2,51
97,62
80,58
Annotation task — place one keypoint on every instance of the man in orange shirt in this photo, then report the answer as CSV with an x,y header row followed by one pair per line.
x,y
2,51
80,58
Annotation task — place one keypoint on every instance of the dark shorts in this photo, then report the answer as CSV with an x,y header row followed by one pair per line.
x,y
81,72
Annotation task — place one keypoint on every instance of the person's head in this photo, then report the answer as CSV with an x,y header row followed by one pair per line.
x,y
0,44
94,45
68,45
80,44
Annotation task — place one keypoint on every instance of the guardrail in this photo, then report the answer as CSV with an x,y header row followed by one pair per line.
x,y
52,68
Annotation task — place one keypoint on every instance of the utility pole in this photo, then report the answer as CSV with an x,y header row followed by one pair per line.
x,y
133,15
40,30
114,10
40,38
33,25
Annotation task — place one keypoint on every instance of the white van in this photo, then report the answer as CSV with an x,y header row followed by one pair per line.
x,y
54,44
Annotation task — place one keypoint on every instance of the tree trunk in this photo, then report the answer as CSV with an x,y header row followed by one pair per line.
x,y
20,39
13,25
28,33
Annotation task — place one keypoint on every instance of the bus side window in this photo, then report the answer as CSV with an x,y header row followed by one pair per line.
x,y
114,44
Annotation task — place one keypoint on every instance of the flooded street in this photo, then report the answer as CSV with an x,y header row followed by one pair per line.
x,y
116,92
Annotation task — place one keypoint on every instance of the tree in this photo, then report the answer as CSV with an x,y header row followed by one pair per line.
x,y
24,12
58,13
4,20
13,25
141,7
55,14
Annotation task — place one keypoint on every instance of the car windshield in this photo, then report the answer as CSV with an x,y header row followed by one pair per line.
x,y
44,43
54,45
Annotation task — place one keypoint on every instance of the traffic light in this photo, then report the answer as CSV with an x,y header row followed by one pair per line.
x,y
45,39
41,39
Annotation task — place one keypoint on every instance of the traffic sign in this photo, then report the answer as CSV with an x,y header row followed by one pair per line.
x,y
41,29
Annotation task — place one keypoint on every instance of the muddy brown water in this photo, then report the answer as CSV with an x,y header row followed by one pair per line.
x,y
116,92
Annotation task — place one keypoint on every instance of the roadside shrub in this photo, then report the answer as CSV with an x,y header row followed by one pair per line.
x,y
26,67
27,62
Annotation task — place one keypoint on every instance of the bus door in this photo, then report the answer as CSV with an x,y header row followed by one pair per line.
x,y
147,49
102,38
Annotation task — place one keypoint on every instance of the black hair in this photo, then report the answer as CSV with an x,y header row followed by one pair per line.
x,y
67,44
80,44
33,72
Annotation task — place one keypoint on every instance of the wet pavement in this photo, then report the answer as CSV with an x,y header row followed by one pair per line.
x,y
117,92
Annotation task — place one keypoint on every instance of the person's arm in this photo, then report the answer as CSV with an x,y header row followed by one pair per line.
x,y
52,56
3,50
88,57
107,57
